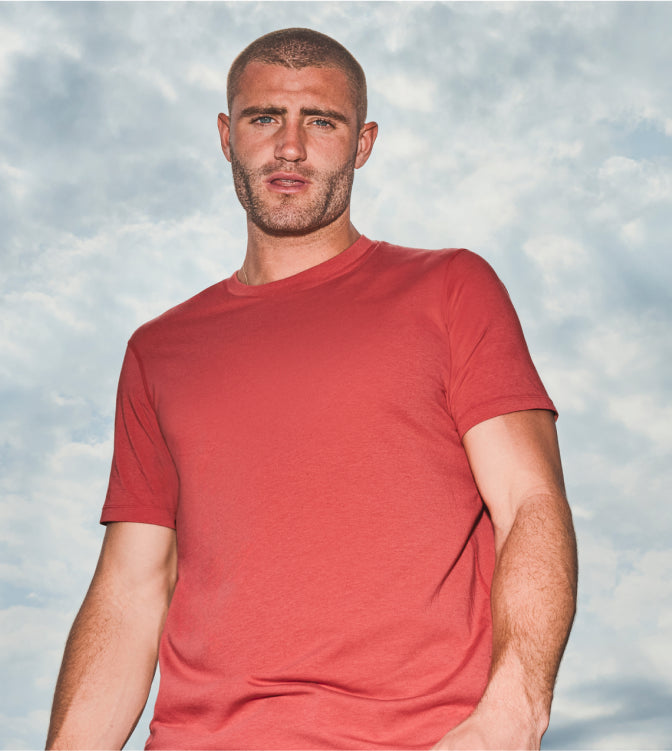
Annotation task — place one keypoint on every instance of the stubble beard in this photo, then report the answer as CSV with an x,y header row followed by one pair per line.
x,y
293,214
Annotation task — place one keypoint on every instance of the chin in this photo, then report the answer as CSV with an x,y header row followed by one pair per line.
x,y
287,230
285,224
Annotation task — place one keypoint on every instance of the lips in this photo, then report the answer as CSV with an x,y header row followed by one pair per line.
x,y
286,178
286,182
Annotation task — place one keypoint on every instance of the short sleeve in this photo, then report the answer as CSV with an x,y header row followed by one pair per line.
x,y
143,483
491,372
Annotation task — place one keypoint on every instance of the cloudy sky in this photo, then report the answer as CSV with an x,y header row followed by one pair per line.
x,y
539,135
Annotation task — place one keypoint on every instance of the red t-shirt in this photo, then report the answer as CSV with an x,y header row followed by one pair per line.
x,y
334,555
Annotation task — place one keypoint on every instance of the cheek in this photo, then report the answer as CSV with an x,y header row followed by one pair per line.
x,y
246,146
332,153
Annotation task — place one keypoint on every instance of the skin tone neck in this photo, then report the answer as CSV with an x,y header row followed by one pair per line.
x,y
269,258
294,142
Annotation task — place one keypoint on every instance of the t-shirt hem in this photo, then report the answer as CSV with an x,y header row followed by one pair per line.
x,y
134,514
503,406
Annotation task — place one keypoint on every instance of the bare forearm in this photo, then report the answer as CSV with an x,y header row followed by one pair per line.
x,y
533,604
107,670
515,460
111,652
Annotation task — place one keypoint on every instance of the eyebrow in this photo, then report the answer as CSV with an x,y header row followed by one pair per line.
x,y
305,112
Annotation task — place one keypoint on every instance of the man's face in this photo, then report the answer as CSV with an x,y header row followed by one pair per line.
x,y
293,143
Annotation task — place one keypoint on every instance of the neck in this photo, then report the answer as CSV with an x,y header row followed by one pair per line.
x,y
270,258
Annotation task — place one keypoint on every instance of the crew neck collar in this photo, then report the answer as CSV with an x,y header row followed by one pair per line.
x,y
322,272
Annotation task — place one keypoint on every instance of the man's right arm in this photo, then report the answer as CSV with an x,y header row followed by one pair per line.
x,y
110,656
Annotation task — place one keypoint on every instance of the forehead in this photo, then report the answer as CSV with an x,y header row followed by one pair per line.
x,y
263,84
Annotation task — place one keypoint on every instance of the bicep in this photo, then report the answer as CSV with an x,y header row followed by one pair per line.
x,y
138,559
515,458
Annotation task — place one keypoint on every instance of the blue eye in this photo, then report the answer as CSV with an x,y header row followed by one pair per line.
x,y
263,119
322,123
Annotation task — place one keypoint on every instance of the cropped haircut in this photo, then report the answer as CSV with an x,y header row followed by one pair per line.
x,y
301,48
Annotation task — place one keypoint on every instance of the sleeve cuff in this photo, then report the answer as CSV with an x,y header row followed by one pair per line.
x,y
497,407
160,517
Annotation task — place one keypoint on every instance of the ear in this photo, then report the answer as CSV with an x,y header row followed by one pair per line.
x,y
366,139
224,125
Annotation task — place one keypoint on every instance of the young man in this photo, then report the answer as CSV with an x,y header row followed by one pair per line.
x,y
336,507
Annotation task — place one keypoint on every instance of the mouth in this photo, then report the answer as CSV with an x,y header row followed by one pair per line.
x,y
285,182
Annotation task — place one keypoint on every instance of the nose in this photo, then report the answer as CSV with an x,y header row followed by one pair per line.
x,y
290,144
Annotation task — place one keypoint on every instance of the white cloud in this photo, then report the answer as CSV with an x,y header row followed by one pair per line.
x,y
16,178
208,77
555,254
616,348
18,729
414,93
11,42
564,265
642,598
162,83
644,414
533,133
645,181
630,192
634,232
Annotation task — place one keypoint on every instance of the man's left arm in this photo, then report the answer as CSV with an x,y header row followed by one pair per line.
x,y
516,464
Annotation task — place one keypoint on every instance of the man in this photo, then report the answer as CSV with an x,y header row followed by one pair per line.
x,y
336,508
